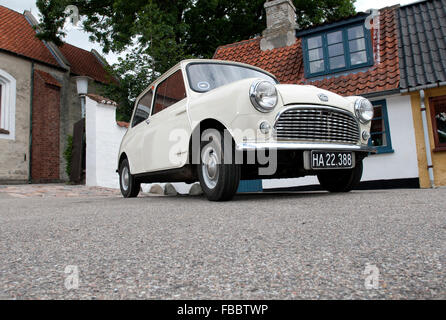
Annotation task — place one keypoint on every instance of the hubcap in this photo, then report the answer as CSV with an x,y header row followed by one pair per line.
x,y
125,177
210,167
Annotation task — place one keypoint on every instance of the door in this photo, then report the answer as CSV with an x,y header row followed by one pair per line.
x,y
166,139
135,135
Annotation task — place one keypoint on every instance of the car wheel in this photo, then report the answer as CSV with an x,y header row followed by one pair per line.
x,y
341,180
218,180
129,186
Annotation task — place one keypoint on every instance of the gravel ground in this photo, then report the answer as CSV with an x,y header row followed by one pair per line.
x,y
269,246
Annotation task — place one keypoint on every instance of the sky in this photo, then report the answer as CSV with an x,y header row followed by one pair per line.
x,y
80,38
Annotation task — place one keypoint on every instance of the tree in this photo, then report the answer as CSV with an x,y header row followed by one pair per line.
x,y
159,33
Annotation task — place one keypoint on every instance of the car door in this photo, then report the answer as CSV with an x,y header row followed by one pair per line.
x,y
135,135
166,140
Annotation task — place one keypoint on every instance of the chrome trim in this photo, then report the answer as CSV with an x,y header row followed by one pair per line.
x,y
252,96
318,107
357,106
303,106
252,146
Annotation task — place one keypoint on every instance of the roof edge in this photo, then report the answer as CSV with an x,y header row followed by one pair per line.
x,y
54,50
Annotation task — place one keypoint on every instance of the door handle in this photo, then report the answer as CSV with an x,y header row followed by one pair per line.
x,y
148,121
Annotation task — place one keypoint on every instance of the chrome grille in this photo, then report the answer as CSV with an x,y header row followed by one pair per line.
x,y
317,123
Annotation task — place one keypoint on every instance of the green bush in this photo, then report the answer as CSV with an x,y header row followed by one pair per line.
x,y
67,154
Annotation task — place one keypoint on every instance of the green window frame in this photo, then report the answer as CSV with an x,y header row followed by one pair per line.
x,y
380,137
336,50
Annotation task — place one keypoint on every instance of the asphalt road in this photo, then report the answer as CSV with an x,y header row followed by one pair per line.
x,y
270,246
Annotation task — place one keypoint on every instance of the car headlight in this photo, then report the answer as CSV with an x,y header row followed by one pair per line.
x,y
364,110
263,96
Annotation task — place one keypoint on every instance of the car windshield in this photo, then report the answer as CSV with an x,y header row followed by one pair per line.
x,y
204,77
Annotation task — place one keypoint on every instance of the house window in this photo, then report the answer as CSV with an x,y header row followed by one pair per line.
x,y
169,92
7,105
337,50
438,113
379,131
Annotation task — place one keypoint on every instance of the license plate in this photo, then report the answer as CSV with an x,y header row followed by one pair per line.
x,y
331,160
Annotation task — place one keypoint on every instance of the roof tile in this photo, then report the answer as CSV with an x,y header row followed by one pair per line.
x,y
18,36
84,63
422,42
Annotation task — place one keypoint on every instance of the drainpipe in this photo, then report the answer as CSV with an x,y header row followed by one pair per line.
x,y
31,123
430,167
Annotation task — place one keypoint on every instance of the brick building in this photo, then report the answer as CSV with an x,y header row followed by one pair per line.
x,y
39,101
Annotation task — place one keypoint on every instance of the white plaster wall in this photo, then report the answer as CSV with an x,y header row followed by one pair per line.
x,y
400,164
103,138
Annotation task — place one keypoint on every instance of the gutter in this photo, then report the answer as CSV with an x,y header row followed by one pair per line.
x,y
430,166
424,87
31,123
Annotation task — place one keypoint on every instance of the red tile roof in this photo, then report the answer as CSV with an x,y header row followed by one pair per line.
x,y
287,63
49,79
18,36
84,63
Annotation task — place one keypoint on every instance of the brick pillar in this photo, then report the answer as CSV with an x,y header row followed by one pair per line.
x,y
45,128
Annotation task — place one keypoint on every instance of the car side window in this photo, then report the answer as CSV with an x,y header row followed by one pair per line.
x,y
169,92
143,108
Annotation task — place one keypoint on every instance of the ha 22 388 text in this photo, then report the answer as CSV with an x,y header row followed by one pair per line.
x,y
329,160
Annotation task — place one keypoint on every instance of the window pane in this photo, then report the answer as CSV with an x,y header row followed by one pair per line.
x,y
355,32
317,66
334,37
337,62
377,129
335,49
314,42
143,109
169,92
315,54
357,45
358,57
377,125
440,118
378,111
379,140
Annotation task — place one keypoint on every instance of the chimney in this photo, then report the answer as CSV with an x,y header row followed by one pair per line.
x,y
280,25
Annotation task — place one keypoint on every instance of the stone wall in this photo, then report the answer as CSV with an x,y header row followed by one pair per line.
x,y
14,153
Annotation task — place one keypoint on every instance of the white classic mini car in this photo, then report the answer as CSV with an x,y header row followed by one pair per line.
x,y
218,122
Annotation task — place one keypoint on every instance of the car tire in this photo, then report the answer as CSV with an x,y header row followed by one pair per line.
x,y
341,180
129,186
219,181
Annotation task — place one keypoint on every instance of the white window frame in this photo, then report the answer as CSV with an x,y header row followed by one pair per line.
x,y
8,105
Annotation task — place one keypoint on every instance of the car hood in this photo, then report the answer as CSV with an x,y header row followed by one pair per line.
x,y
304,94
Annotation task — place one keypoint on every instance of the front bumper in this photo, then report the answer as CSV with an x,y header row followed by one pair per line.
x,y
252,146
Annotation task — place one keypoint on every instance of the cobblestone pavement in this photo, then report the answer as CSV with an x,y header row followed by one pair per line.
x,y
382,244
